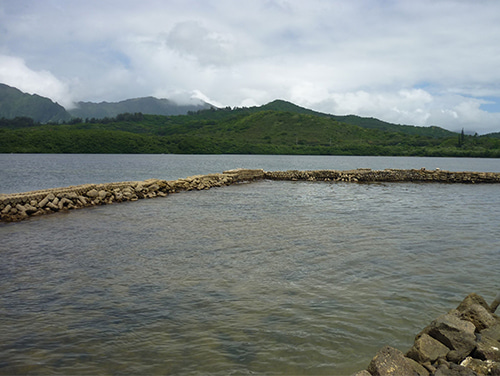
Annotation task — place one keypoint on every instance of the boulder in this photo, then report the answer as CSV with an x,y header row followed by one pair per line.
x,y
475,309
427,349
455,333
481,317
92,193
492,332
390,362
471,300
455,371
419,369
478,366
487,349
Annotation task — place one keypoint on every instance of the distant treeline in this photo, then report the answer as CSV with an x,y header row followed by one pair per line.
x,y
276,128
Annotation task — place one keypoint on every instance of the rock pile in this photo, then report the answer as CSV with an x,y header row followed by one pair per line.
x,y
366,175
462,342
17,207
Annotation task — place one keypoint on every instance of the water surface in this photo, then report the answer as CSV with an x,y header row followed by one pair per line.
x,y
270,277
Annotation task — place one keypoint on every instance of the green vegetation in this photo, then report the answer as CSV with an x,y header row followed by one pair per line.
x,y
276,128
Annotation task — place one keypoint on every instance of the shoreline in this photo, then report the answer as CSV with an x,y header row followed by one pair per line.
x,y
16,207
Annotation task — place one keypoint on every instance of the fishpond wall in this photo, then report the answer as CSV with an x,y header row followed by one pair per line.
x,y
20,206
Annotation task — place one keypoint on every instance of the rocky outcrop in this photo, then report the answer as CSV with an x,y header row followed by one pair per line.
x,y
464,341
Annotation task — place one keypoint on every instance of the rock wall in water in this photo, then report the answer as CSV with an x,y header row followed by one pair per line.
x,y
20,206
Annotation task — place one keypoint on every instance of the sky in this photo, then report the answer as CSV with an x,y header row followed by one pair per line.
x,y
425,62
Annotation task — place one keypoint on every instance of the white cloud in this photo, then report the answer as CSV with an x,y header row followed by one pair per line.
x,y
422,62
14,72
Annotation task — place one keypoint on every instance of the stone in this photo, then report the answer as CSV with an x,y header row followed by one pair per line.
x,y
6,209
471,300
52,206
390,362
457,371
427,349
362,373
487,349
492,332
455,333
82,200
44,202
479,315
29,209
478,366
419,369
102,194
92,193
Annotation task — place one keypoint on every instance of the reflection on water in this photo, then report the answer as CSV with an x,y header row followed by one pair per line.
x,y
267,278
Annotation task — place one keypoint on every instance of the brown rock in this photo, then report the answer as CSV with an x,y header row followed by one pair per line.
x,y
472,299
454,333
427,349
419,369
487,349
479,316
390,362
92,193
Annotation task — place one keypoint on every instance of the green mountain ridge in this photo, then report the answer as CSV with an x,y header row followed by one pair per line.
x,y
365,122
14,103
237,131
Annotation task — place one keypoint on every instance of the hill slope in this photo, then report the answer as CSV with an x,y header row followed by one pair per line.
x,y
15,103
237,131
145,105
365,122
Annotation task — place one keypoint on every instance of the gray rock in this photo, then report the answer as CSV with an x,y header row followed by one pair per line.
x,y
454,333
419,369
457,371
472,299
487,349
390,362
427,349
492,332
481,317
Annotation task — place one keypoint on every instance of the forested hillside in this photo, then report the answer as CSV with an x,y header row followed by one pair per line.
x,y
276,128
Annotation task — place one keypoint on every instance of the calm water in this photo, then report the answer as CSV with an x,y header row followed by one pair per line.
x,y
262,278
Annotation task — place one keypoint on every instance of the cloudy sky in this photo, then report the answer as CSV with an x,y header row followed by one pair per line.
x,y
425,62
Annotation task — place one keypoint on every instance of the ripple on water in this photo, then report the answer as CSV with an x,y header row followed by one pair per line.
x,y
273,277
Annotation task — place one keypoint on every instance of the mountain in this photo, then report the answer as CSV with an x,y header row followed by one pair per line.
x,y
145,105
364,122
236,131
14,103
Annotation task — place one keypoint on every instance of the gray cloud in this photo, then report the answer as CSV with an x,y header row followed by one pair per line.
x,y
415,62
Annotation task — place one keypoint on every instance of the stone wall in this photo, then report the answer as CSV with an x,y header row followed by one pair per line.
x,y
389,175
19,206
462,342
